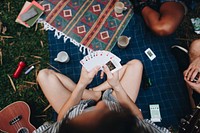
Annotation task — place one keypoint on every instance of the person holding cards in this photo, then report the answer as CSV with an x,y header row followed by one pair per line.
x,y
161,16
82,111
192,73
188,59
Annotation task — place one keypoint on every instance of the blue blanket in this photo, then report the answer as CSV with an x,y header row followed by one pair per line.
x,y
168,88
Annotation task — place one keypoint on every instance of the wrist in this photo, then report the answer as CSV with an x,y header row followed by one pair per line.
x,y
117,87
81,85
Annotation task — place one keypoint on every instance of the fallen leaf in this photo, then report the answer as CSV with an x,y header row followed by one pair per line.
x,y
37,57
53,67
36,26
4,30
12,83
33,64
32,83
8,6
47,108
42,44
1,57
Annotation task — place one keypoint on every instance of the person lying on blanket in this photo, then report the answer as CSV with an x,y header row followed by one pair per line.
x,y
82,110
161,16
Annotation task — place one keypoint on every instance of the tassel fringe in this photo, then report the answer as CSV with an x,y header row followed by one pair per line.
x,y
58,34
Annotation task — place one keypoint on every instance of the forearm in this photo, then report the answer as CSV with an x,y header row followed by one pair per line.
x,y
73,100
125,101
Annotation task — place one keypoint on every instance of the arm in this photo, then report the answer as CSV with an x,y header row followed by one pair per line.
x,y
190,74
125,101
75,98
193,70
123,98
194,86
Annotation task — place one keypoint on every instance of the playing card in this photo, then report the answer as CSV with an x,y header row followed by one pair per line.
x,y
113,65
111,56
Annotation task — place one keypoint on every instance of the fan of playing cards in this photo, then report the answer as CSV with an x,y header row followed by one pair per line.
x,y
101,58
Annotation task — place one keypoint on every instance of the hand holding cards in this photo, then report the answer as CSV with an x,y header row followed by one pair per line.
x,y
101,58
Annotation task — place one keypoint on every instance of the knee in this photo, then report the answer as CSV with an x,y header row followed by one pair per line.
x,y
195,45
43,74
135,63
194,49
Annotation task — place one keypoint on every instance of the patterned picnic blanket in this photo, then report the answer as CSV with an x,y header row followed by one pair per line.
x,y
167,89
92,23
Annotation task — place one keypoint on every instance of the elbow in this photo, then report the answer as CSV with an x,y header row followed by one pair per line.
x,y
163,30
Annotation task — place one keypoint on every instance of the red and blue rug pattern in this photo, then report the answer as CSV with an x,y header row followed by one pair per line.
x,y
92,23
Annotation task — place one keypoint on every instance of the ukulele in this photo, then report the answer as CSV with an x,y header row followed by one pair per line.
x,y
191,123
14,118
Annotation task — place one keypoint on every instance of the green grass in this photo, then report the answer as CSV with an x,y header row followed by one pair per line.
x,y
24,46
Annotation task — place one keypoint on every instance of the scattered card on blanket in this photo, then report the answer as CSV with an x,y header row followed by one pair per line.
x,y
150,54
100,58
155,112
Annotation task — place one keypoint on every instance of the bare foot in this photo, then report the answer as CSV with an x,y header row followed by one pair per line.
x,y
97,95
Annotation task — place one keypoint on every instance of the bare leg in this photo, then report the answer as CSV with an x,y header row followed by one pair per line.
x,y
165,22
130,78
194,50
57,88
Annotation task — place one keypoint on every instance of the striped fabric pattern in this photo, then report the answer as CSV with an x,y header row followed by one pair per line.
x,y
78,109
113,105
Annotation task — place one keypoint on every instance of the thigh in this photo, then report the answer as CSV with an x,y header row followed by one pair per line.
x,y
54,90
131,76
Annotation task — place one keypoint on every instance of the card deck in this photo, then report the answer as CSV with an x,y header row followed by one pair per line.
x,y
100,58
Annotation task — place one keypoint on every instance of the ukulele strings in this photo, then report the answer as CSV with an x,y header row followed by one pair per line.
x,y
16,125
12,115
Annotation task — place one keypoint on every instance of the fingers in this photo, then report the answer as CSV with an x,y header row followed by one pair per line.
x,y
191,74
94,70
194,75
102,74
107,71
198,81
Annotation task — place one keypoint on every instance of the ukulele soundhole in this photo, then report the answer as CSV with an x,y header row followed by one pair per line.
x,y
23,130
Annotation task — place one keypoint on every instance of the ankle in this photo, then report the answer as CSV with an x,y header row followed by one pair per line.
x,y
97,95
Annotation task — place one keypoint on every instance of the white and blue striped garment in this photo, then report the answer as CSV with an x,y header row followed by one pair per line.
x,y
112,104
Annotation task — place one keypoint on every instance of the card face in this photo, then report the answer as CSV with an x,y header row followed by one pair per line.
x,y
100,58
150,54
110,65
155,112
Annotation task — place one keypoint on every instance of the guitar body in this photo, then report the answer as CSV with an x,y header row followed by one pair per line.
x,y
15,118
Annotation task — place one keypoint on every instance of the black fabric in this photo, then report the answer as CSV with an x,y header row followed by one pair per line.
x,y
182,59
